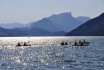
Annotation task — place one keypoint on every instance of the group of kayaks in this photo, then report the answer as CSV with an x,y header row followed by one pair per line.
x,y
77,43
64,43
23,44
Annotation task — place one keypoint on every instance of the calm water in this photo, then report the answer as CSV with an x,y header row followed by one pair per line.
x,y
47,54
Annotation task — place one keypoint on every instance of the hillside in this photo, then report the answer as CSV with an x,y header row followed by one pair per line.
x,y
65,21
93,27
54,23
82,18
14,25
60,22
35,31
19,32
46,24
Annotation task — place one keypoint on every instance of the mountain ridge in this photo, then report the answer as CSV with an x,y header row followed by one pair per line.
x,y
53,25
89,28
65,21
46,24
14,25
57,22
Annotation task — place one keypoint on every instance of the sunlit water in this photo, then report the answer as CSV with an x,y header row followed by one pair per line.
x,y
46,53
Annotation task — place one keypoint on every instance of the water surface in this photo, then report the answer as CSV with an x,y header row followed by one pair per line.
x,y
46,53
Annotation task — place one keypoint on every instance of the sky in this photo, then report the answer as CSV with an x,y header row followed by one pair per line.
x,y
25,11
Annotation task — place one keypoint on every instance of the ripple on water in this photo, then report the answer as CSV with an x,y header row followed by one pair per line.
x,y
47,54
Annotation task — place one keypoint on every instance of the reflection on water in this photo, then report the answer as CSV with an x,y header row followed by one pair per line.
x,y
47,54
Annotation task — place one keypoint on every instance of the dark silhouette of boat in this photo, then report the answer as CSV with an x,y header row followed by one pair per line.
x,y
23,44
81,43
64,43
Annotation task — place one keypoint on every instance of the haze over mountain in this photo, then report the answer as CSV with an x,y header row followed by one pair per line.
x,y
35,31
65,21
93,27
83,18
19,32
46,24
54,25
61,22
14,25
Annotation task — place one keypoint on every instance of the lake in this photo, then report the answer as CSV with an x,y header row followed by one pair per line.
x,y
46,53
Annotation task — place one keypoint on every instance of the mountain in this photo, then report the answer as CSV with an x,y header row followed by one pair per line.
x,y
35,31
39,32
21,32
10,32
65,21
23,28
11,25
61,22
83,19
14,25
46,24
93,27
60,33
28,24
55,23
